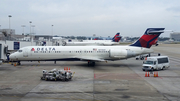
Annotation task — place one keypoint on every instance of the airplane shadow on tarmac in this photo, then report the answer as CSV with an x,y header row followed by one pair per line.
x,y
78,64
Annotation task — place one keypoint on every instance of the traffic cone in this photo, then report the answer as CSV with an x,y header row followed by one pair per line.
x,y
65,68
156,74
146,74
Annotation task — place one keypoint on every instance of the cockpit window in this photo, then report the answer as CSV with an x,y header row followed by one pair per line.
x,y
19,50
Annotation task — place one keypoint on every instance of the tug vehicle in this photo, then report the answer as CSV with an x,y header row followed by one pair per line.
x,y
54,75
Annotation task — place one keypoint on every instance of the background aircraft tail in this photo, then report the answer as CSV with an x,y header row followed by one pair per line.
x,y
149,38
116,38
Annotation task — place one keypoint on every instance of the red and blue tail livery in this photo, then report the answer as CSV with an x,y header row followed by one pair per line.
x,y
149,38
116,38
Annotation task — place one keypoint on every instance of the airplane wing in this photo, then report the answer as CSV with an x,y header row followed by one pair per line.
x,y
89,58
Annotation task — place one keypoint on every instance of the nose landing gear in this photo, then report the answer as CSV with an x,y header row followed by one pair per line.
x,y
15,64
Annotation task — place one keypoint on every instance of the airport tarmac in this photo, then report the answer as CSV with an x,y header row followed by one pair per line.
x,y
121,80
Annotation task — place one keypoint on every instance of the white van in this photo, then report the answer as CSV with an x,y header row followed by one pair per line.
x,y
156,63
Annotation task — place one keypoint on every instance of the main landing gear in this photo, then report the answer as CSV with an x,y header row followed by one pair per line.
x,y
19,63
91,63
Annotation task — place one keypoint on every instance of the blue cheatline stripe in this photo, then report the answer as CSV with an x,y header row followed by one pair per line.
x,y
151,41
64,59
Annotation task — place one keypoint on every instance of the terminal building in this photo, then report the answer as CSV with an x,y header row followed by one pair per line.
x,y
175,36
10,42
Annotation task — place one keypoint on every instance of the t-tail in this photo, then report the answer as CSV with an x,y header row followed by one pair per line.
x,y
116,38
149,38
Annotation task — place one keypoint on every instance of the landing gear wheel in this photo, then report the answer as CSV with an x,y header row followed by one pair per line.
x,y
91,63
162,68
46,79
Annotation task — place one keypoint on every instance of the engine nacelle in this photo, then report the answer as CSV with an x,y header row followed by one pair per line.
x,y
114,53
130,53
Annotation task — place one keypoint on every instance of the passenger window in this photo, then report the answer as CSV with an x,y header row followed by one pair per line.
x,y
20,51
154,62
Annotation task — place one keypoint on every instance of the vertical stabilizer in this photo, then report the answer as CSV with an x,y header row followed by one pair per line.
x,y
149,38
116,38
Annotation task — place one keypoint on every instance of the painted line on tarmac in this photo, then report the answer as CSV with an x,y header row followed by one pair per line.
x,y
31,68
100,76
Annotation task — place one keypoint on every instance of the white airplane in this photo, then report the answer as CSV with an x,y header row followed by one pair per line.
x,y
114,41
91,54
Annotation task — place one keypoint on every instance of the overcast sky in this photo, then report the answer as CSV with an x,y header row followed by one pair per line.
x,y
88,17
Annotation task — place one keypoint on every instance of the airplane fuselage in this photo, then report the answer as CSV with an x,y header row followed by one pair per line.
x,y
77,53
90,43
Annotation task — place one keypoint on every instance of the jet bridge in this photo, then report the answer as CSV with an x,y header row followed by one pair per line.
x,y
3,52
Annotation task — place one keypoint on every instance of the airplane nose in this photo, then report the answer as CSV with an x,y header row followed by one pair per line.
x,y
11,56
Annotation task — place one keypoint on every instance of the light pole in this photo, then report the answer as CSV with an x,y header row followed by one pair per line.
x,y
52,30
30,26
30,32
52,34
33,29
23,28
9,21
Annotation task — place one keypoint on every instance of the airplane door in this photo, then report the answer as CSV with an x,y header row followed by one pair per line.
x,y
25,52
